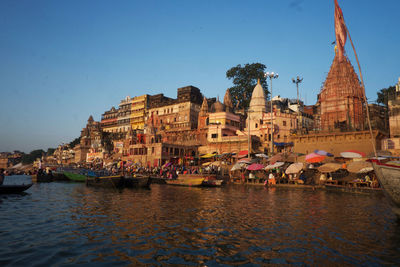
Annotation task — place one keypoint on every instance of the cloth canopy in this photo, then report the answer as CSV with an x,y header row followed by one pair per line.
x,y
329,167
255,167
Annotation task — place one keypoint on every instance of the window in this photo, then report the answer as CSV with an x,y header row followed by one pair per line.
x,y
256,125
284,123
215,135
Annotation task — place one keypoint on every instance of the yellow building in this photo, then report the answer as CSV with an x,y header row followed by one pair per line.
x,y
138,112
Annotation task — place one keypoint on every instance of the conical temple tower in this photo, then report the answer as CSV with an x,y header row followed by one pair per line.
x,y
341,98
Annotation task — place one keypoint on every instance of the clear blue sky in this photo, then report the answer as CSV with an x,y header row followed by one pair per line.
x,y
62,61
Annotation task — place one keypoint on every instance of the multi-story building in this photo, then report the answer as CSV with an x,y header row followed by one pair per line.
x,y
109,121
138,111
124,115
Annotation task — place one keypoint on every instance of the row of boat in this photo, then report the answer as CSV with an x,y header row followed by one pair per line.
x,y
92,178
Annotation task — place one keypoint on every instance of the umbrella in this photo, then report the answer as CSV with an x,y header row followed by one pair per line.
x,y
275,158
245,160
275,165
365,170
255,167
352,154
262,155
314,158
238,166
356,166
323,153
329,167
294,168
167,164
206,163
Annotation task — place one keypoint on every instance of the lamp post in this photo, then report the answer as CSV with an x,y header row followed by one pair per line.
x,y
249,136
297,81
272,75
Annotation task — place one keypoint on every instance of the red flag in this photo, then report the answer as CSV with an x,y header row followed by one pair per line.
x,y
340,30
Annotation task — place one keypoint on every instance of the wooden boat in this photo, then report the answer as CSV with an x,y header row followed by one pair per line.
x,y
389,177
211,181
75,176
106,181
14,189
42,178
352,189
119,181
138,182
187,180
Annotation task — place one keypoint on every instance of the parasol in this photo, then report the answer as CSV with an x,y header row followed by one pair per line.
x,y
255,167
323,153
357,166
314,158
329,167
275,165
350,154
294,168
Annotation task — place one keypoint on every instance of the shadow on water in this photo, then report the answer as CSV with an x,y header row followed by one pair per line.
x,y
62,223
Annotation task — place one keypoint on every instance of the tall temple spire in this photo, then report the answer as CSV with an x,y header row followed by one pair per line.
x,y
228,101
204,106
340,31
258,102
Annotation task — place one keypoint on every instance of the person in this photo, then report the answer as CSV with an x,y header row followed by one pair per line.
x,y
1,176
271,179
322,178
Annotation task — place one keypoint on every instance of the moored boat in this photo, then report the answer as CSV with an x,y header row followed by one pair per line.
x,y
187,180
106,181
13,189
211,181
389,177
75,176
42,178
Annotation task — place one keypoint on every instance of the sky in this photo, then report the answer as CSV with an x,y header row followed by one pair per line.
x,y
62,61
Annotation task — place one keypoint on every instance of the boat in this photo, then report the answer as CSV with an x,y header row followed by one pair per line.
x,y
14,189
389,178
187,180
42,178
119,181
106,181
76,175
211,181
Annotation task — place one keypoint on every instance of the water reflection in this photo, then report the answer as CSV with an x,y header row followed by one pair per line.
x,y
69,223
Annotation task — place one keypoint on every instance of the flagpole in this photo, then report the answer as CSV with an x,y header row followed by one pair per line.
x,y
365,96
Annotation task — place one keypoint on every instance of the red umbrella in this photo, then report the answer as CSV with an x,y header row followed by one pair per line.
x,y
255,167
314,158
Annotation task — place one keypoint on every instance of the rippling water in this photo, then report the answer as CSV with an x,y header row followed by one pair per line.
x,y
69,223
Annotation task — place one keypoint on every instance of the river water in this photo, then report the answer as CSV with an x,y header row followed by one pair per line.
x,y
69,223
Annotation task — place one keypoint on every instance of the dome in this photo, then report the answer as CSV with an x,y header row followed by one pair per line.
x,y
258,102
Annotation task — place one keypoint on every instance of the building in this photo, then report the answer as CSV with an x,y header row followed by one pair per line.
x,y
109,121
139,106
124,115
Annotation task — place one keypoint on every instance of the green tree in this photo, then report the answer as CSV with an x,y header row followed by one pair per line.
x,y
31,157
386,94
244,80
50,151
75,142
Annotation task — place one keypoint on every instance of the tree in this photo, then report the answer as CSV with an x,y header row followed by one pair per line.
x,y
75,142
31,157
386,94
244,80
50,151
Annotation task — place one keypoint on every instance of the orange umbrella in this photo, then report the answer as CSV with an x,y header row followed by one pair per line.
x,y
314,158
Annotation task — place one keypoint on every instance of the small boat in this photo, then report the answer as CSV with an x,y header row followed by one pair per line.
x,y
187,180
211,181
389,177
42,178
75,176
14,189
119,181
106,181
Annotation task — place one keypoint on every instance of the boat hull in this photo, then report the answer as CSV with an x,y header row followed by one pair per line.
x,y
389,178
118,181
42,178
77,177
13,189
187,180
